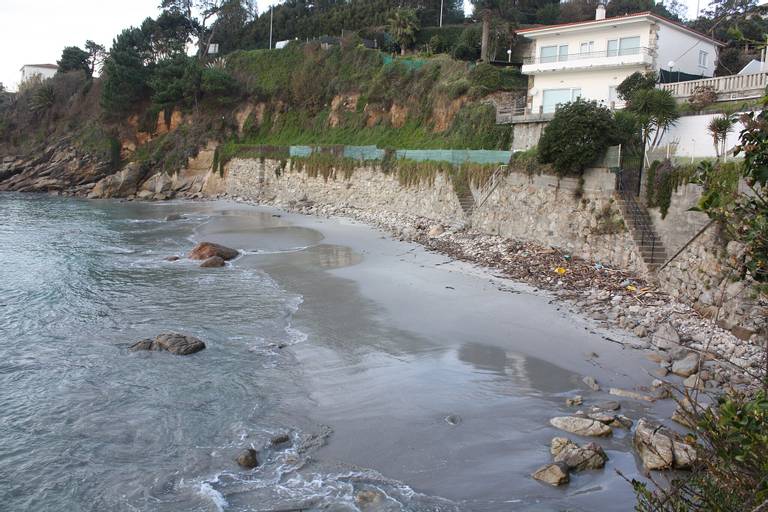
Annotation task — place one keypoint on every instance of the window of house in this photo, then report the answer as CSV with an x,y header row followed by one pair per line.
x,y
548,54
587,47
629,45
703,59
613,48
551,98
562,52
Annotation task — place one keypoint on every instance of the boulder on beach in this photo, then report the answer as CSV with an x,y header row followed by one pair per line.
x,y
248,459
686,366
205,250
213,262
659,448
175,343
666,337
634,395
577,458
581,426
435,231
552,474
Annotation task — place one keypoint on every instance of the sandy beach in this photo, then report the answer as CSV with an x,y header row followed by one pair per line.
x,y
399,339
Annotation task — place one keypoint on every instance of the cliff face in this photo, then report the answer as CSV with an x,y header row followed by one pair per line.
x,y
298,95
60,168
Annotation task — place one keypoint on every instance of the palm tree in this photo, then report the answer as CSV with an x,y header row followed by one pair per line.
x,y
656,111
404,24
719,127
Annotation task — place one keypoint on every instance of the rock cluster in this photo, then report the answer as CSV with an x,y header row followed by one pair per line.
x,y
175,343
660,448
207,250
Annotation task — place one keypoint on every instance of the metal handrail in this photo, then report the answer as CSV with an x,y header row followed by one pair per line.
x,y
489,187
640,50
639,217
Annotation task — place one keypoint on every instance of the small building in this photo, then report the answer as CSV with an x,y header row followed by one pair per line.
x,y
42,70
589,59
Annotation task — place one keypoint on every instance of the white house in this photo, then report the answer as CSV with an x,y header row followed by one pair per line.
x,y
42,70
590,58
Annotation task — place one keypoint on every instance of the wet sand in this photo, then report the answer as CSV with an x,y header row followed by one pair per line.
x,y
399,339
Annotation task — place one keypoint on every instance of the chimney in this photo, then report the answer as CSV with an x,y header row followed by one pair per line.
x,y
600,11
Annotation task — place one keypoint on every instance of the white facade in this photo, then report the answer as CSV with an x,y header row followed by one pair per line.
x,y
589,59
42,70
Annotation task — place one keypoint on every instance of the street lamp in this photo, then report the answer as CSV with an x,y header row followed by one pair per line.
x,y
509,55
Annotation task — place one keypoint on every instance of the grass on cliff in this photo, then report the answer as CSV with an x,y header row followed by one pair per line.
x,y
299,83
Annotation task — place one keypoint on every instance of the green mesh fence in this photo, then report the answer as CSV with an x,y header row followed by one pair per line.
x,y
455,156
408,63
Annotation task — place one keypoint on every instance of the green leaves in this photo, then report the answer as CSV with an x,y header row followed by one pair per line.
x,y
576,137
404,24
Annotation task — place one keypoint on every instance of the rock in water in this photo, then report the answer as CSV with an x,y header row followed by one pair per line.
x,y
659,447
213,262
205,250
145,344
552,474
173,216
179,344
591,383
654,448
248,459
581,426
686,366
578,458
175,343
576,400
280,439
171,258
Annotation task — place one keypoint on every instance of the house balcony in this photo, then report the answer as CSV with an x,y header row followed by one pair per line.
x,y
604,59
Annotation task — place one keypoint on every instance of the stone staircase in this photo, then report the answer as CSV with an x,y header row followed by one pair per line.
x,y
472,202
643,233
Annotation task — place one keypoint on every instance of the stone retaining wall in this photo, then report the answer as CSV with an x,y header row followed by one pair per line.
x,y
581,220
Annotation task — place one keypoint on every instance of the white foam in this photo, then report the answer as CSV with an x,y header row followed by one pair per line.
x,y
215,496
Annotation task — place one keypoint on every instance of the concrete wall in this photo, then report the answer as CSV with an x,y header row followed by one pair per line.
x,y
692,139
526,135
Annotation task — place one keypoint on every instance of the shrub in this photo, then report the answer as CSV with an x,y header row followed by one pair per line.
x,y
219,85
634,82
732,462
702,97
577,136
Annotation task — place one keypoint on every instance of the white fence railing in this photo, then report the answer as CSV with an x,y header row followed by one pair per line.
x,y
726,87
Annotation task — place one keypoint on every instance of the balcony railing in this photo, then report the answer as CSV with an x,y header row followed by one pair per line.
x,y
729,87
551,59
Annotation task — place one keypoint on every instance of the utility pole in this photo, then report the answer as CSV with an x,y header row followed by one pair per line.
x,y
441,13
271,8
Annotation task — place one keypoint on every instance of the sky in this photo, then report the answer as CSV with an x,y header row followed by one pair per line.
x,y
35,32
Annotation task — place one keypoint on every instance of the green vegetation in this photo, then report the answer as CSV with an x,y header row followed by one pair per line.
x,y
309,78
577,136
730,475
403,25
